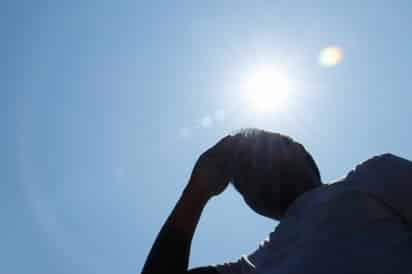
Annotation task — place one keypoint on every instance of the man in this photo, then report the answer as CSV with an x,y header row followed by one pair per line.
x,y
360,224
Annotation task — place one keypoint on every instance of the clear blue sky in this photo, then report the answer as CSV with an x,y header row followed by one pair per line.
x,y
106,105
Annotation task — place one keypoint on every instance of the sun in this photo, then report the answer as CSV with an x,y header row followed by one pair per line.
x,y
266,89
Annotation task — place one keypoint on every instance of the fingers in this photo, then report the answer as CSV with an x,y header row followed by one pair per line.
x,y
225,141
226,149
222,147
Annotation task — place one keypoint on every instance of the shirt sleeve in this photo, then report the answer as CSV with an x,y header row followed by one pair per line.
x,y
247,264
388,178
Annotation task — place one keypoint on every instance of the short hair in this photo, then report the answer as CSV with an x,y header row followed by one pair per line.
x,y
278,161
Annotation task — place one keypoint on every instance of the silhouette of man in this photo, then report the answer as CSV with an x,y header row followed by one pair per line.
x,y
359,224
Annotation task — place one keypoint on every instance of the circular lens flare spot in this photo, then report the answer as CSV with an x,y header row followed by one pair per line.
x,y
330,56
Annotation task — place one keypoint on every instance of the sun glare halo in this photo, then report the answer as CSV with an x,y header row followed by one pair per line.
x,y
266,89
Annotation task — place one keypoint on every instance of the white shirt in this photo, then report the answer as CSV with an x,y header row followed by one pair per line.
x,y
360,224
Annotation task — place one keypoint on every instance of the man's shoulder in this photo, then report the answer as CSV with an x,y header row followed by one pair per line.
x,y
379,175
387,157
382,166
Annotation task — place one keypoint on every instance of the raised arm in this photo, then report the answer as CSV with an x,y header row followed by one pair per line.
x,y
210,176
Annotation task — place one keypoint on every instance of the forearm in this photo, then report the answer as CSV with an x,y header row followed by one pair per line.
x,y
170,252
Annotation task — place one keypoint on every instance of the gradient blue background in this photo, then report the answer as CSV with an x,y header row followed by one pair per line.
x,y
102,103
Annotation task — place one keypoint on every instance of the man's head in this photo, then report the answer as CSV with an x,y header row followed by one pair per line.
x,y
271,171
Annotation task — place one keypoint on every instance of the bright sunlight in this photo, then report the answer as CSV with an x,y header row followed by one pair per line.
x,y
266,89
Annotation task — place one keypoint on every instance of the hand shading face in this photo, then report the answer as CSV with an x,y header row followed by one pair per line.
x,y
270,172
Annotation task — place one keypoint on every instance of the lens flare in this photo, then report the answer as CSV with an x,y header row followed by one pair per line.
x,y
330,56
